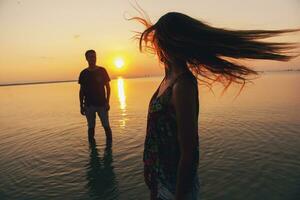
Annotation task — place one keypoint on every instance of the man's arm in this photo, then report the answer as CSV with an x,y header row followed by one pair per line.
x,y
81,99
107,86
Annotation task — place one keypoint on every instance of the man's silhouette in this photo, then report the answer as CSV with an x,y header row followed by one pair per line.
x,y
94,95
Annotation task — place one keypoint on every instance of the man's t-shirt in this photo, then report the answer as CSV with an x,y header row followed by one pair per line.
x,y
93,82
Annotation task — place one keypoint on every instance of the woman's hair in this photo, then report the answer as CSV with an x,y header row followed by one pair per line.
x,y
210,53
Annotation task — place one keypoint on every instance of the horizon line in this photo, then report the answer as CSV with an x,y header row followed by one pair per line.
x,y
116,77
66,81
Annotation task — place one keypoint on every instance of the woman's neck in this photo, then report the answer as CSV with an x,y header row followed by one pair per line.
x,y
172,71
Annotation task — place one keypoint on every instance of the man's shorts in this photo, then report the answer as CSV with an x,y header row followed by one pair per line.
x,y
90,113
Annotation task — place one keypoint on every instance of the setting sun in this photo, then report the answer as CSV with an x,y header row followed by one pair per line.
x,y
119,63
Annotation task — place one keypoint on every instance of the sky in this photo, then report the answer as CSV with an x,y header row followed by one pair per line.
x,y
45,40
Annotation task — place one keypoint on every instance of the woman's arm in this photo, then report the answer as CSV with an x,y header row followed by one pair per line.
x,y
184,100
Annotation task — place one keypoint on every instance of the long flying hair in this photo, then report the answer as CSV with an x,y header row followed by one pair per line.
x,y
210,53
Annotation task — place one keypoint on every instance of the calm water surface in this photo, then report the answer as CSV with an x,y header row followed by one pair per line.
x,y
250,147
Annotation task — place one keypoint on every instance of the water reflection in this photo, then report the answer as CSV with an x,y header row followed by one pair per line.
x,y
101,177
121,93
122,100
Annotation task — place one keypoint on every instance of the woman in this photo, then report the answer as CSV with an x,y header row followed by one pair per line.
x,y
190,49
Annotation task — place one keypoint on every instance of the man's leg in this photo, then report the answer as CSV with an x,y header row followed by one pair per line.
x,y
103,115
91,117
91,133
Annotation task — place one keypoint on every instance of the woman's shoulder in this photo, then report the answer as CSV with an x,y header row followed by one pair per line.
x,y
186,79
185,84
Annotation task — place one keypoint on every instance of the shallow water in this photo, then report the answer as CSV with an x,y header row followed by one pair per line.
x,y
250,147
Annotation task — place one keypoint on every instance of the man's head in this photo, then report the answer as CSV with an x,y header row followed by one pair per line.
x,y
90,56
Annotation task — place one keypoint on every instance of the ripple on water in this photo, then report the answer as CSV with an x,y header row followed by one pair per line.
x,y
249,149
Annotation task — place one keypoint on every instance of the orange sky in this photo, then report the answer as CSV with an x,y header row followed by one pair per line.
x,y
46,40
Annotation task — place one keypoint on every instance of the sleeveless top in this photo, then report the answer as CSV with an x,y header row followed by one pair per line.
x,y
161,148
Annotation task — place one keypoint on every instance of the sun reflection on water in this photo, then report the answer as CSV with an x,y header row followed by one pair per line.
x,y
121,93
122,101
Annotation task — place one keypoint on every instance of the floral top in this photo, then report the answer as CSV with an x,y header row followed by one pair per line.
x,y
162,152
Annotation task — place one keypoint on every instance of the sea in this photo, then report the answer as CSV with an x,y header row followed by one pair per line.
x,y
249,142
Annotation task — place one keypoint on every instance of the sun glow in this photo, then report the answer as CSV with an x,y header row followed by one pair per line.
x,y
119,63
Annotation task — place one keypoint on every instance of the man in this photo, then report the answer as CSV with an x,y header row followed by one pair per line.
x,y
94,95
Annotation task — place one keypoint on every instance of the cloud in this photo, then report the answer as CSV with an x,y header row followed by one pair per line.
x,y
76,36
46,57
